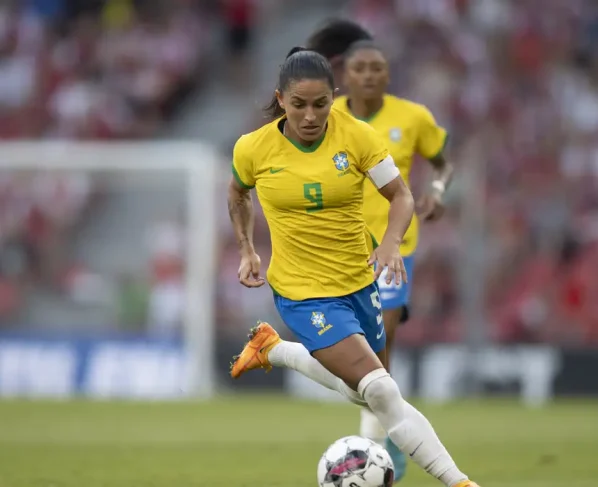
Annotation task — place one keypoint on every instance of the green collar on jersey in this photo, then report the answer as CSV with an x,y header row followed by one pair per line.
x,y
303,148
364,119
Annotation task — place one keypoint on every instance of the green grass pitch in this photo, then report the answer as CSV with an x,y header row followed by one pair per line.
x,y
266,441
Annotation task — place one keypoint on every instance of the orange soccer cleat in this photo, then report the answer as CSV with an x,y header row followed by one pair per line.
x,y
254,355
466,483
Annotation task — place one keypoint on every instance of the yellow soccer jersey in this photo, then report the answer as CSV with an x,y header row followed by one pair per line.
x,y
409,128
312,199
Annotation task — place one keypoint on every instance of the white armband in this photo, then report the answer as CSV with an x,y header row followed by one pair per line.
x,y
384,172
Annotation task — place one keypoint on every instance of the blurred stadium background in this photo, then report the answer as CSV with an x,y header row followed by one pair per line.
x,y
119,281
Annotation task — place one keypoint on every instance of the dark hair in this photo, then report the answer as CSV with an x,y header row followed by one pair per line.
x,y
365,44
336,36
299,64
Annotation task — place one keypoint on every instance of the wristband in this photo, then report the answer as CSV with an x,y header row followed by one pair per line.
x,y
439,186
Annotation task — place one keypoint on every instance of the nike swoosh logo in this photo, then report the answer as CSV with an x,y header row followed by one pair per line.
x,y
414,451
379,335
274,171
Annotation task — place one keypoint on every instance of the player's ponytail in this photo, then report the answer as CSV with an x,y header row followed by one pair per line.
x,y
273,110
300,63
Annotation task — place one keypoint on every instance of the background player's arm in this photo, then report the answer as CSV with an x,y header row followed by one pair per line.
x,y
430,205
431,143
443,172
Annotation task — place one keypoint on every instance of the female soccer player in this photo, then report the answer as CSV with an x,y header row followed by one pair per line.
x,y
308,167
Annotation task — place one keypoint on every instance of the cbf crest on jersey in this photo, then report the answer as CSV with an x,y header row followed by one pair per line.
x,y
319,321
341,161
395,134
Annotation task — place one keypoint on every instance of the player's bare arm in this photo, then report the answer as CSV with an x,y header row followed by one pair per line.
x,y
240,210
431,205
399,218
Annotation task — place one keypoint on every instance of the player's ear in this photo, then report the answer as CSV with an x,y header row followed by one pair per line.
x,y
279,98
335,93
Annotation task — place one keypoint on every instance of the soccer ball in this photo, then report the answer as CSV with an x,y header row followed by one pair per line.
x,y
355,462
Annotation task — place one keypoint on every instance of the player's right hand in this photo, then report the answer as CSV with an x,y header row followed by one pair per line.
x,y
249,270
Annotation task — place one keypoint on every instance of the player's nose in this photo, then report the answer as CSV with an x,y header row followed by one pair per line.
x,y
310,116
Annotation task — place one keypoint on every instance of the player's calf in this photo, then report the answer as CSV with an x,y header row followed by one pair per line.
x,y
409,429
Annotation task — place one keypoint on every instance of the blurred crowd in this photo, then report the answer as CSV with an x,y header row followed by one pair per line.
x,y
514,81
98,70
516,84
83,69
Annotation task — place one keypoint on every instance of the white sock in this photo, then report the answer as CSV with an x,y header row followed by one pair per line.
x,y
295,356
371,428
408,428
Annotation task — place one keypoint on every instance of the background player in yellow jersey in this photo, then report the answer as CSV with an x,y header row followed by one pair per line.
x,y
409,129
308,167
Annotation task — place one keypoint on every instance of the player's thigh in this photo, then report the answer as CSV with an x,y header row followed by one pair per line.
x,y
383,356
330,330
318,323
351,359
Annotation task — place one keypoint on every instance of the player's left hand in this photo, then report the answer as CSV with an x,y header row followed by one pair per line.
x,y
430,206
388,255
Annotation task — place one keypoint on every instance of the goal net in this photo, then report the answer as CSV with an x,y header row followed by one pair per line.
x,y
107,269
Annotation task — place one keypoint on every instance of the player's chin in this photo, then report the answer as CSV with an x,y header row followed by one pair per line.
x,y
310,134
370,92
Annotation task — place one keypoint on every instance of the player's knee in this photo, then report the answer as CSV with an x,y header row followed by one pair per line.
x,y
380,390
351,395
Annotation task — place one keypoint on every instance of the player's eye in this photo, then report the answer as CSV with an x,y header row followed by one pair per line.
x,y
299,104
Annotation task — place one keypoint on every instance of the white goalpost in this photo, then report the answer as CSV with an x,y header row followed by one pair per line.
x,y
200,164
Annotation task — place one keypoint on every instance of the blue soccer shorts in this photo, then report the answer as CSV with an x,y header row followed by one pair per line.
x,y
322,322
394,296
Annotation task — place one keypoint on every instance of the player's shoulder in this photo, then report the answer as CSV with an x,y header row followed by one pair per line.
x,y
348,124
359,138
340,103
257,140
403,105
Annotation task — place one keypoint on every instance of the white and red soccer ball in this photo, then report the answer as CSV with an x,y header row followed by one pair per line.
x,y
355,461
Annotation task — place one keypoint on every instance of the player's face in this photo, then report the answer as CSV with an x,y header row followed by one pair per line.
x,y
307,104
366,74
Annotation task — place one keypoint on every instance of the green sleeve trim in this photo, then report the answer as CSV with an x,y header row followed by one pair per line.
x,y
444,144
375,243
239,180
